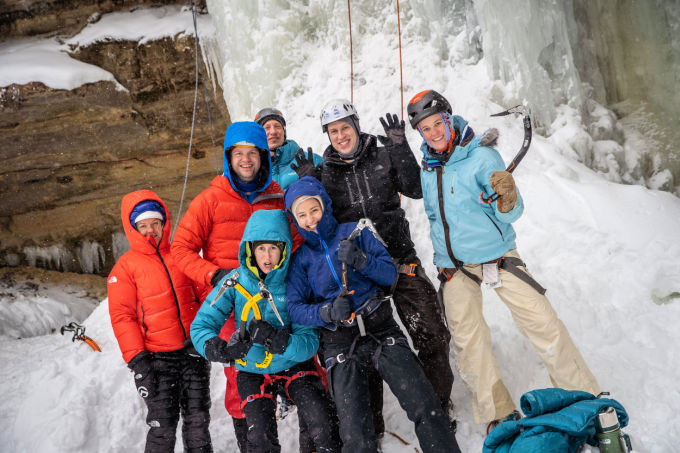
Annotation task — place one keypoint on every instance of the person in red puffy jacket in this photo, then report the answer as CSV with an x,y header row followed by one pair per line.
x,y
214,224
152,304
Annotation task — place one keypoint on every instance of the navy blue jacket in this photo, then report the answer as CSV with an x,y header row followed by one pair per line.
x,y
315,272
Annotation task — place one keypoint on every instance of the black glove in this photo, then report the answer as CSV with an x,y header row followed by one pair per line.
x,y
218,350
395,130
145,378
261,331
275,340
348,253
218,275
304,165
335,312
188,347
279,341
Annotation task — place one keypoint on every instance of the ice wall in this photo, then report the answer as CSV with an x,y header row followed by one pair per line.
x,y
601,76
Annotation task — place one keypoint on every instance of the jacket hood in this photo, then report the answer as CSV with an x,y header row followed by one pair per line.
x,y
251,132
267,225
137,241
311,186
332,156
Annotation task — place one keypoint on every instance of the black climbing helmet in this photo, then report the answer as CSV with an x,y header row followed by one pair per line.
x,y
424,104
270,113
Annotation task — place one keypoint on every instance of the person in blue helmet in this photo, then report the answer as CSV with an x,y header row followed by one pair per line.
x,y
285,164
206,243
334,283
273,355
474,244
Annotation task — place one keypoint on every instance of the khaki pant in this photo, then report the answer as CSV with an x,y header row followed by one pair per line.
x,y
535,318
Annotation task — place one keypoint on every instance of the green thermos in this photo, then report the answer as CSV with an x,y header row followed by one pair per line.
x,y
609,435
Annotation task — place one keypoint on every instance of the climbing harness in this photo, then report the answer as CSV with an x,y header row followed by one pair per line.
x,y
518,110
271,379
508,263
251,304
79,334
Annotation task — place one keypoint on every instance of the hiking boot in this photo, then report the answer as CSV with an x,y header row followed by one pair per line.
x,y
512,416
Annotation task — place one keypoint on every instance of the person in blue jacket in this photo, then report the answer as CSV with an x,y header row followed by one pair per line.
x,y
334,283
477,239
287,163
272,354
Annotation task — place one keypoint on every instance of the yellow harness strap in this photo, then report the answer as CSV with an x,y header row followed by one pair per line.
x,y
251,304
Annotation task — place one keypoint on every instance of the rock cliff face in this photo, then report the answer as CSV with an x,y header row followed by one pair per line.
x,y
70,155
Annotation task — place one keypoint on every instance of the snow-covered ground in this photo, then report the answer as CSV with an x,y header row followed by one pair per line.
x,y
606,252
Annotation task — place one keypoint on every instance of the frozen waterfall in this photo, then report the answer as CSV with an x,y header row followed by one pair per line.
x,y
602,77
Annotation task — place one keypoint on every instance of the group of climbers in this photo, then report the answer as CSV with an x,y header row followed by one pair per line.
x,y
290,291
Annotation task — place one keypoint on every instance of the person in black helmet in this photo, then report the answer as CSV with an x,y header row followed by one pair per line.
x,y
477,239
365,180
282,149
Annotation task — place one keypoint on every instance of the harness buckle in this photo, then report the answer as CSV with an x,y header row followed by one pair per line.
x,y
250,398
340,357
390,341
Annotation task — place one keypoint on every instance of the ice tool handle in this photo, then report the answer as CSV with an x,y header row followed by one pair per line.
x,y
517,110
361,224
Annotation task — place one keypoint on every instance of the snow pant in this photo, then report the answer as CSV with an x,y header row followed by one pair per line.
x,y
349,359
536,320
303,386
416,301
183,384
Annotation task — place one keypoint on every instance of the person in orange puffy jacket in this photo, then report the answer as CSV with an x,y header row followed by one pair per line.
x,y
152,304
215,221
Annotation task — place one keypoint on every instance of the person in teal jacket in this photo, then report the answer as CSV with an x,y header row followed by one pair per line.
x,y
272,355
477,239
284,151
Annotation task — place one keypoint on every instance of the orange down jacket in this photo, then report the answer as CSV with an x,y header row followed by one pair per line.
x,y
215,222
151,302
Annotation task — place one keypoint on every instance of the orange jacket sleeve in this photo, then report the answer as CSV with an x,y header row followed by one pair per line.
x,y
191,235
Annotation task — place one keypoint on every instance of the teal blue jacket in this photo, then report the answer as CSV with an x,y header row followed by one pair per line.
x,y
270,225
478,232
283,157
557,421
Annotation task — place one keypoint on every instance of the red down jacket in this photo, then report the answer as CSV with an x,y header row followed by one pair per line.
x,y
151,302
215,222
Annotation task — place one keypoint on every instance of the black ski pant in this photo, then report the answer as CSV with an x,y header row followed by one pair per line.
x,y
183,388
386,350
308,394
416,301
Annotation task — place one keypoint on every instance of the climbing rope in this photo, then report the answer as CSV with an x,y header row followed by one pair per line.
x,y
401,70
193,120
351,58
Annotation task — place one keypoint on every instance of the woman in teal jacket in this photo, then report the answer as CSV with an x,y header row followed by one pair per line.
x,y
477,239
272,355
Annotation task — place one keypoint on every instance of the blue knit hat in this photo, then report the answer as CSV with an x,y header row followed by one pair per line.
x,y
147,209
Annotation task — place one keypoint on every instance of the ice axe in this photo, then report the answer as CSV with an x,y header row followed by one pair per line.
x,y
517,110
79,334
361,224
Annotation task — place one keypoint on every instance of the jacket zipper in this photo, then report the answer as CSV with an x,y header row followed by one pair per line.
x,y
440,196
146,328
361,195
494,224
330,263
179,315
